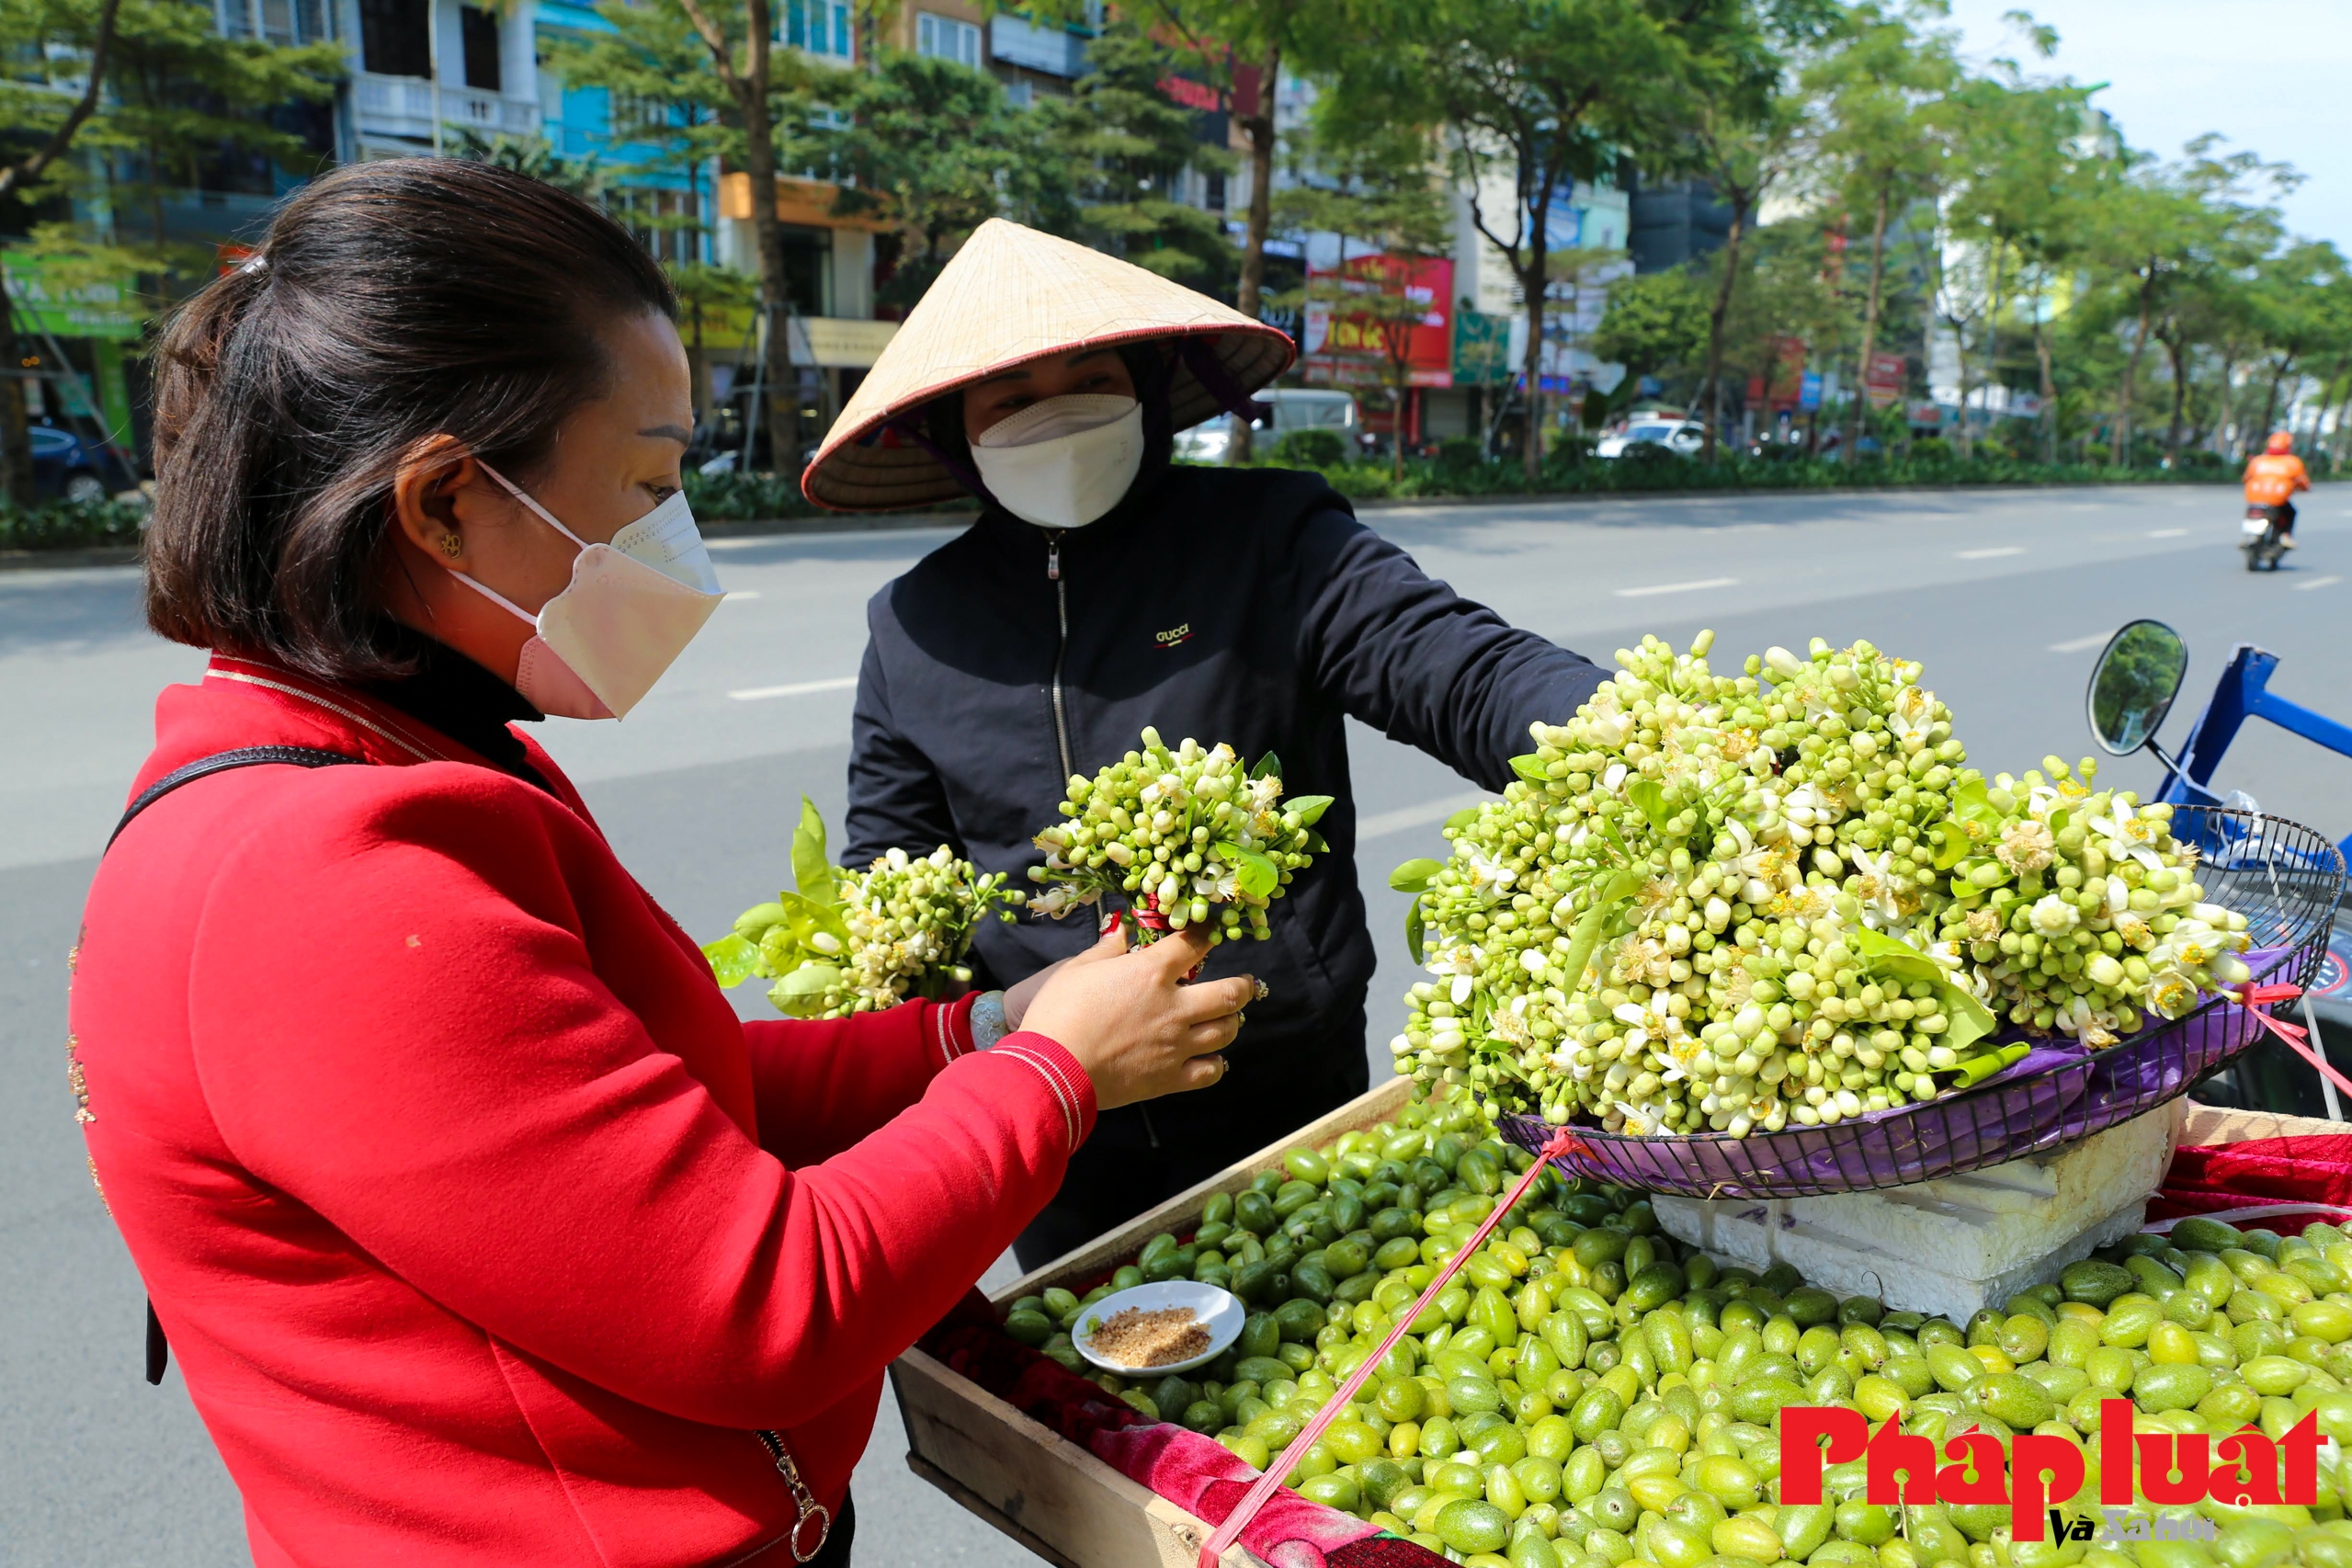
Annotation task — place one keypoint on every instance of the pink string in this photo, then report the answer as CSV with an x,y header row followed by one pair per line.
x,y
2253,998
1563,1141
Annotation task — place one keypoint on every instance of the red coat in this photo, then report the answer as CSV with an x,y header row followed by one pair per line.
x,y
482,1230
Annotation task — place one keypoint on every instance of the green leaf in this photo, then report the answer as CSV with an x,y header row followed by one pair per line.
x,y
1882,954
1415,876
752,923
1463,818
1970,1020
805,916
1413,930
1308,809
1532,769
1651,797
1606,897
809,979
1269,767
1255,874
812,868
731,959
1317,844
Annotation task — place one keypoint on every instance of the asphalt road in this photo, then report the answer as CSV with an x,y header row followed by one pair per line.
x,y
2007,597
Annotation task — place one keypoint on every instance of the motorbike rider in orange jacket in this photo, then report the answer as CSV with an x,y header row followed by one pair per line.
x,y
2271,481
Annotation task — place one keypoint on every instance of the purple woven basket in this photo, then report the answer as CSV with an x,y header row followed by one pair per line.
x,y
2284,878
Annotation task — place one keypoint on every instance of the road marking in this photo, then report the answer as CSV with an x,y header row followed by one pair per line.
x,y
2081,645
1989,553
2317,583
800,689
733,594
1677,588
2166,533
1386,822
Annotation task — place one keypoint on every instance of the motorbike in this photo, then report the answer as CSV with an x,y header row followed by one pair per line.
x,y
2260,538
2131,690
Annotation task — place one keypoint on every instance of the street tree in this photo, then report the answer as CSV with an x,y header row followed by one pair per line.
x,y
1540,93
1660,324
2022,204
1381,195
44,108
1121,147
1242,47
935,146
714,74
1874,142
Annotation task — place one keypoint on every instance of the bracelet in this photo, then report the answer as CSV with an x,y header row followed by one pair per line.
x,y
987,1020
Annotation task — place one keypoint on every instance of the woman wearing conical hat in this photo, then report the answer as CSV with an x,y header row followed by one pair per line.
x,y
1103,590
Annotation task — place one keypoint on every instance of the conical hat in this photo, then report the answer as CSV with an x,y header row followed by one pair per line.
x,y
1012,294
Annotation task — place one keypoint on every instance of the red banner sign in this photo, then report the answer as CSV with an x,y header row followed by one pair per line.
x,y
1347,347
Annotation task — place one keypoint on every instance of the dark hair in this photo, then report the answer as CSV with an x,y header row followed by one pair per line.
x,y
391,301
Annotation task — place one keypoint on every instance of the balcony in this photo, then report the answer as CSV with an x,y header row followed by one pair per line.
x,y
401,106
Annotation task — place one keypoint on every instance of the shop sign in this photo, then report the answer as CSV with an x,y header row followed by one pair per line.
x,y
839,342
1344,348
48,299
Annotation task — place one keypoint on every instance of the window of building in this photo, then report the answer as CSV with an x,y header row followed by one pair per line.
x,y
394,41
944,38
1212,195
478,31
820,27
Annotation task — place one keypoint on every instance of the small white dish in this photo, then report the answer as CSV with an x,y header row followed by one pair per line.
x,y
1219,1311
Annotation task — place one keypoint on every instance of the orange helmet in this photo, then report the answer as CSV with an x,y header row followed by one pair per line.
x,y
2280,442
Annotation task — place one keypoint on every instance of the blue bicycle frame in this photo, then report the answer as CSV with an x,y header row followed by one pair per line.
x,y
2243,693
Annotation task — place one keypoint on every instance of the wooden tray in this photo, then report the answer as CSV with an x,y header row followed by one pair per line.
x,y
1072,1509
1052,1496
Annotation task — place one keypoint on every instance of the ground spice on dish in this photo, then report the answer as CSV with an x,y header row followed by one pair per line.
x,y
1134,1338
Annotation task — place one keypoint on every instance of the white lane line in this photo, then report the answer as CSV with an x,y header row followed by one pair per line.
x,y
2317,583
2166,533
1988,554
1403,817
734,594
2081,645
1676,587
800,688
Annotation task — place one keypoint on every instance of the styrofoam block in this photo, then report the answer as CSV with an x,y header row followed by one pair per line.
x,y
1948,1247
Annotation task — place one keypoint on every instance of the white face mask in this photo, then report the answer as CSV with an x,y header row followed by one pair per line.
x,y
1063,462
631,608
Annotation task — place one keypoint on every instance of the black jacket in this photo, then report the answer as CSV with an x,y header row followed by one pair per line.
x,y
1241,605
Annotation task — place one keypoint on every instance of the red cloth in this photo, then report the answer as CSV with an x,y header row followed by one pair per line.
x,y
2207,1178
484,1232
1197,1474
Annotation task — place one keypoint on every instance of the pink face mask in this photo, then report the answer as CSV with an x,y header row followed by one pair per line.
x,y
631,608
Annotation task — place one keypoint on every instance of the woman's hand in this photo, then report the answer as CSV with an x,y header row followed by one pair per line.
x,y
1132,1024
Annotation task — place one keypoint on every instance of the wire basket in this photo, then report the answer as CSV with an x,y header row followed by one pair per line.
x,y
2284,878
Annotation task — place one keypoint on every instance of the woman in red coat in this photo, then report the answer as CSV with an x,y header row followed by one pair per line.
x,y
482,1230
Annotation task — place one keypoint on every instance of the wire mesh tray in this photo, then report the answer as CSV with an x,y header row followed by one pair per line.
x,y
2284,878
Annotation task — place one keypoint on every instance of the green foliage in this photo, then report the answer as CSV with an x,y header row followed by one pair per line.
x,y
1119,145
1655,324
534,156
183,97
70,525
948,153
1311,448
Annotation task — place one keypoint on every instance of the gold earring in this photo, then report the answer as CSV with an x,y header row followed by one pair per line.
x,y
452,546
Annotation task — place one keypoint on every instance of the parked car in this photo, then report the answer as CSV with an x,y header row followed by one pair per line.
x,y
1295,408
65,465
1683,436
